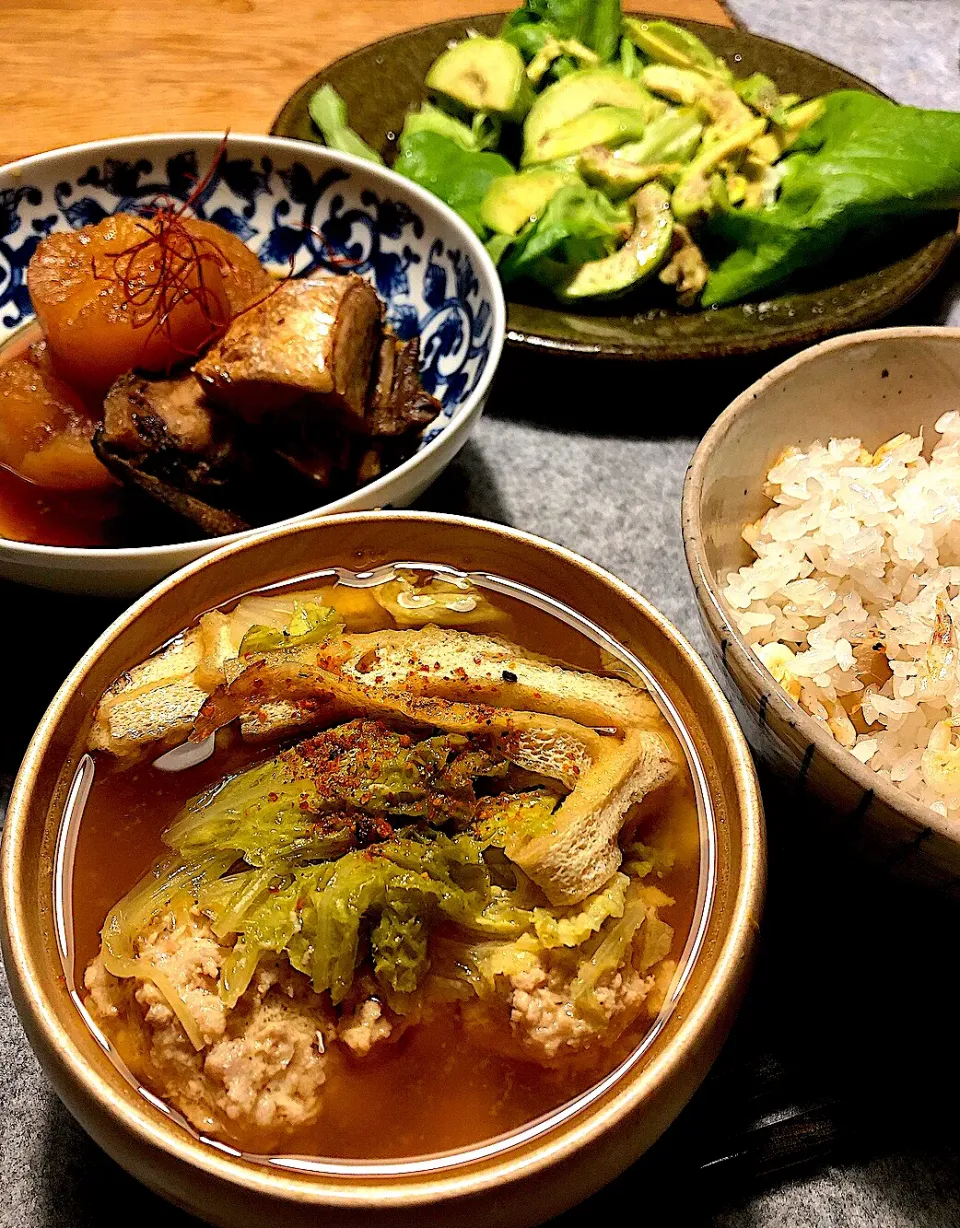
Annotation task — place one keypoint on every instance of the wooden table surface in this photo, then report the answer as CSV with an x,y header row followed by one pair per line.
x,y
79,70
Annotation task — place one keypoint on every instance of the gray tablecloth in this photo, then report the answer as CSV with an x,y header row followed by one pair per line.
x,y
847,1034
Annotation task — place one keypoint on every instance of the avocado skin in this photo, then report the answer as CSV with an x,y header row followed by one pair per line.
x,y
640,257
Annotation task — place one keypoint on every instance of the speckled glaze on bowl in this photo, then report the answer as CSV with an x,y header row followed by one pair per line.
x,y
287,201
381,82
536,1176
872,385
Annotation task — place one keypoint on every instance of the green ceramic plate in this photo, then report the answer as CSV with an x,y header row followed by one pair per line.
x,y
380,83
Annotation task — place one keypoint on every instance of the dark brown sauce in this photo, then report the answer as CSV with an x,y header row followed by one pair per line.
x,y
30,513
432,1090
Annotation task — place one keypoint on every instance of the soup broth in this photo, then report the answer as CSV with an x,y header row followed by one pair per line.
x,y
436,1085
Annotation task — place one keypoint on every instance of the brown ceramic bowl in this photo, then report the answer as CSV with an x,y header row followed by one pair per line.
x,y
871,385
383,81
524,1181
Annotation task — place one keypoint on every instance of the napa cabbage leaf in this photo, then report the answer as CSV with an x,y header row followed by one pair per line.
x,y
310,623
572,927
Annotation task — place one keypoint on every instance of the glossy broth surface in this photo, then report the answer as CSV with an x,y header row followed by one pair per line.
x,y
432,1090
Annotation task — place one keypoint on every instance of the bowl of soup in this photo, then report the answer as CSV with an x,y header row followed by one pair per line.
x,y
392,865
201,335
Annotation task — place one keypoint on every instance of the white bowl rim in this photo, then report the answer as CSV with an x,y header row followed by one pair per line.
x,y
715,609
457,1181
457,424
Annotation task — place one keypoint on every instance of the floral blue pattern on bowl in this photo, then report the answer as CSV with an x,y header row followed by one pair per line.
x,y
294,220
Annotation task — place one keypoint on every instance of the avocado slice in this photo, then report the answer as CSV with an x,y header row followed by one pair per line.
x,y
581,91
694,193
770,147
514,200
665,43
766,149
483,74
671,137
724,107
642,254
601,126
683,85
760,93
798,118
553,49
618,177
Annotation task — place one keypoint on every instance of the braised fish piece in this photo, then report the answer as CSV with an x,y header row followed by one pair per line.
x,y
163,436
173,411
400,403
312,340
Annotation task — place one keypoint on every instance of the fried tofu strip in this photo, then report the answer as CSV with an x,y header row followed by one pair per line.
x,y
154,704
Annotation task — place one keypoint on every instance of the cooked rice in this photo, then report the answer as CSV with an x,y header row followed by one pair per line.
x,y
853,601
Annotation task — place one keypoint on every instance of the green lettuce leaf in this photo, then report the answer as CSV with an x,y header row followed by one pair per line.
x,y
865,160
578,224
482,133
329,112
594,23
459,176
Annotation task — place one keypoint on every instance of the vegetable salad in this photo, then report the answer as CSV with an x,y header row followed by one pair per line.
x,y
597,154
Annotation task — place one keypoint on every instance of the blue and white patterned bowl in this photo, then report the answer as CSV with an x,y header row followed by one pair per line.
x,y
289,202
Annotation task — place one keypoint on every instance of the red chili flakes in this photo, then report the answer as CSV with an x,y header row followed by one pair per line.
x,y
274,797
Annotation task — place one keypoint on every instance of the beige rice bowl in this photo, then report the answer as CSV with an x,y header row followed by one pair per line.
x,y
853,601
